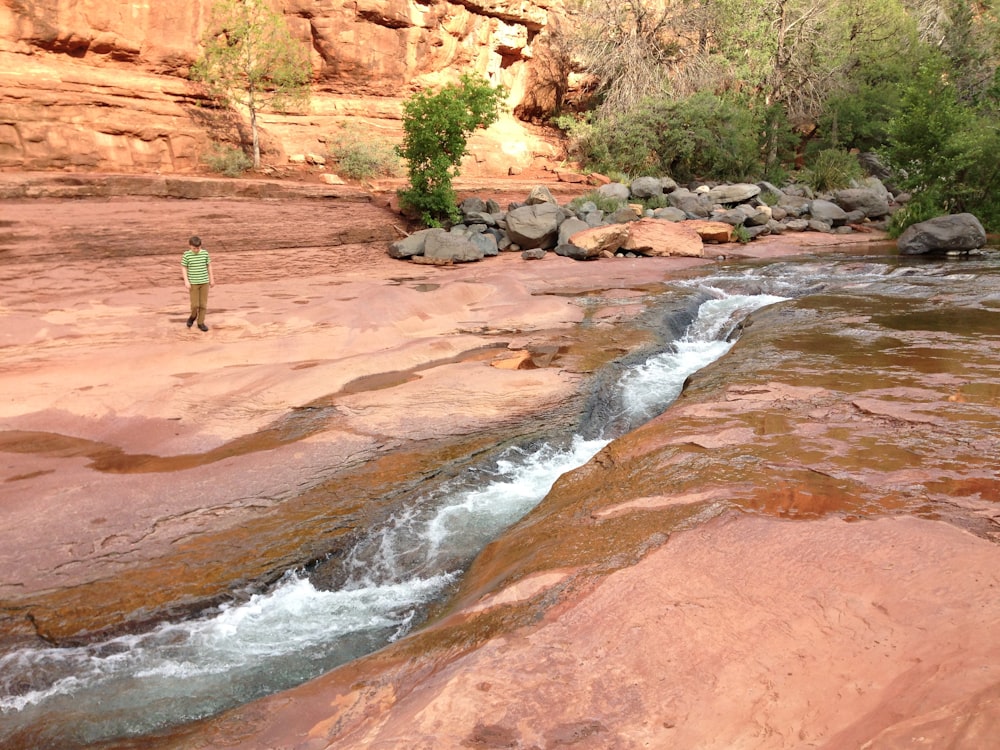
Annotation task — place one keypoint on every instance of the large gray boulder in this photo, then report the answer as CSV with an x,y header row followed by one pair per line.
x,y
451,246
670,214
570,227
615,190
646,187
733,193
410,246
694,205
827,212
534,226
486,242
954,232
874,204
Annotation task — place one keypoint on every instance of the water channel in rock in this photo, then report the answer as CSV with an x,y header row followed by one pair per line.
x,y
181,671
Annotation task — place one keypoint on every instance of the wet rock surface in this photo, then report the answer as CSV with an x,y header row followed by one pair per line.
x,y
803,549
209,461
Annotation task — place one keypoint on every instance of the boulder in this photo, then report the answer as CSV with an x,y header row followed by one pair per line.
x,y
874,204
573,252
657,237
472,206
452,247
827,212
646,187
625,214
534,226
486,242
593,241
712,231
954,232
540,194
615,190
669,214
570,227
534,254
694,205
410,246
733,193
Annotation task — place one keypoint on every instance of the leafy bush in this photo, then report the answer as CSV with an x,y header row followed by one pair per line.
x,y
944,151
227,160
701,136
741,234
436,130
361,158
831,169
605,203
655,202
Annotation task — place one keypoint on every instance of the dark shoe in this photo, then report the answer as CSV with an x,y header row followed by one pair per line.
x,y
202,327
191,321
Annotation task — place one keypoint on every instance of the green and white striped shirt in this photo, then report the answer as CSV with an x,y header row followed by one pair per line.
x,y
196,265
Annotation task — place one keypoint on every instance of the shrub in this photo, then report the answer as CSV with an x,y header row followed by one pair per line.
x,y
605,203
741,234
655,202
701,136
831,169
944,151
436,130
359,157
227,160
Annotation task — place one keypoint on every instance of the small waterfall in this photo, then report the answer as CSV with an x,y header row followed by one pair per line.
x,y
179,672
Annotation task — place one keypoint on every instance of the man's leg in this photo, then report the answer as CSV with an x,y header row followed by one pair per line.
x,y
194,296
202,303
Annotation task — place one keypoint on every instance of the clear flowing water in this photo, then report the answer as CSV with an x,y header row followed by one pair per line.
x,y
181,671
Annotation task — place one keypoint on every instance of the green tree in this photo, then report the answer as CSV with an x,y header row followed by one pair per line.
x,y
944,149
251,59
436,130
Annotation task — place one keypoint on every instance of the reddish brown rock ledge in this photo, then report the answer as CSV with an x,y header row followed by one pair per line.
x,y
746,632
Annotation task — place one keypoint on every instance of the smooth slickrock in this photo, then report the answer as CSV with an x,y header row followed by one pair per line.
x,y
746,632
125,434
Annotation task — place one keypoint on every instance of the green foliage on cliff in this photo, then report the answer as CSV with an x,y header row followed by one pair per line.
x,y
251,59
436,130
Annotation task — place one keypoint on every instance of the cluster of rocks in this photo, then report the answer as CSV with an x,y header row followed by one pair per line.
x,y
684,219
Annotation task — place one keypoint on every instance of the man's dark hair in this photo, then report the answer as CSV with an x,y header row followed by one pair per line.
x,y
195,241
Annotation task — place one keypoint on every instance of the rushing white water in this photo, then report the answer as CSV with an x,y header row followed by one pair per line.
x,y
182,671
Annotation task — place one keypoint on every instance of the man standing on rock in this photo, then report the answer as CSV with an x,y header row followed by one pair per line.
x,y
198,277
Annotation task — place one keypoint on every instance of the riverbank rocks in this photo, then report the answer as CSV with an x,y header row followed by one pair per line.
x,y
634,219
951,233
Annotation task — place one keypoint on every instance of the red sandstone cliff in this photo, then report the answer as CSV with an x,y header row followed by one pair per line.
x,y
103,85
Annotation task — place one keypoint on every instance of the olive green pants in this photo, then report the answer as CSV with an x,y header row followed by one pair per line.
x,y
199,302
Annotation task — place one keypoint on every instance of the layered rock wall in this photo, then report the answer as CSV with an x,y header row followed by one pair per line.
x,y
103,85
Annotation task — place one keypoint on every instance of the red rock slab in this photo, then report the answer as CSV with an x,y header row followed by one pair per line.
x,y
746,632
659,238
